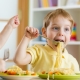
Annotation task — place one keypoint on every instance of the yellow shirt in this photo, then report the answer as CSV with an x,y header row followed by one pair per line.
x,y
44,59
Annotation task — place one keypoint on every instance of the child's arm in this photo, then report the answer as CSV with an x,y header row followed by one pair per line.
x,y
21,57
2,65
4,35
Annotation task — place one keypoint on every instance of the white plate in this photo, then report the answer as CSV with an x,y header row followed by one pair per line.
x,y
14,77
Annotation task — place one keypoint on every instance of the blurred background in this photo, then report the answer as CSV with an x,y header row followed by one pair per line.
x,y
8,9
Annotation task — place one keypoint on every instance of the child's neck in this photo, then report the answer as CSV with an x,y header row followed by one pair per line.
x,y
55,48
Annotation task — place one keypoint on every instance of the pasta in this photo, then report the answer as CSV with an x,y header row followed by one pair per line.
x,y
60,71
59,54
13,70
16,69
64,71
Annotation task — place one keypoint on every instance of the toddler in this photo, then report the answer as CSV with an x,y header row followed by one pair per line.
x,y
57,26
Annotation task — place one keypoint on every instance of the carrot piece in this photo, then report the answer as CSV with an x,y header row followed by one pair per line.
x,y
43,72
11,72
50,72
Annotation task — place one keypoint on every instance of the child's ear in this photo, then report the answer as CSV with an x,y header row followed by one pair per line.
x,y
43,31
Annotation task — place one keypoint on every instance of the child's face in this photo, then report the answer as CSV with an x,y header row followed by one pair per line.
x,y
59,29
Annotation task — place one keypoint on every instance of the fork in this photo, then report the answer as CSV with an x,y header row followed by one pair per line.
x,y
48,77
6,54
53,41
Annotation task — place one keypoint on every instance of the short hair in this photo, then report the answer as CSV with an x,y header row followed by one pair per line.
x,y
53,14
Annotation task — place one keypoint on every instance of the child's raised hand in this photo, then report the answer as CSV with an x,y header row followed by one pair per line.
x,y
31,32
14,22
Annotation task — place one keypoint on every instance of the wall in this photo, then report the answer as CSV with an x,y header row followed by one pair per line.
x,y
8,9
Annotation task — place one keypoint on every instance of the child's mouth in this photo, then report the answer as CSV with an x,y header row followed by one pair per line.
x,y
57,42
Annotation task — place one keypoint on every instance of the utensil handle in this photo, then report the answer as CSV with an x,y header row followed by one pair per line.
x,y
44,37
54,42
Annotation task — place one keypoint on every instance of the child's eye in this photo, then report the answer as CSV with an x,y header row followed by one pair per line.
x,y
67,29
55,28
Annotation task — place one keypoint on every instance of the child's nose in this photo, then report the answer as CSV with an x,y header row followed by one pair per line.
x,y
61,33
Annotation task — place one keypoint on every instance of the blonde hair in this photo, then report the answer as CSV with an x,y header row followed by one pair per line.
x,y
53,14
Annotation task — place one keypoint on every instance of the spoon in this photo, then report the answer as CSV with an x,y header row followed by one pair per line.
x,y
6,54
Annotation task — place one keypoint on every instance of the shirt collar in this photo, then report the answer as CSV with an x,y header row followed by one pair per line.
x,y
64,55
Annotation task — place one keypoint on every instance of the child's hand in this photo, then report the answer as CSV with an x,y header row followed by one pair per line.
x,y
31,32
14,22
2,65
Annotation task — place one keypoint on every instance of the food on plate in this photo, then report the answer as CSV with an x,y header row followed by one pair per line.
x,y
60,71
15,70
64,71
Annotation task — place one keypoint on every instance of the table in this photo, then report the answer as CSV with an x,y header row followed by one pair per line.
x,y
1,78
